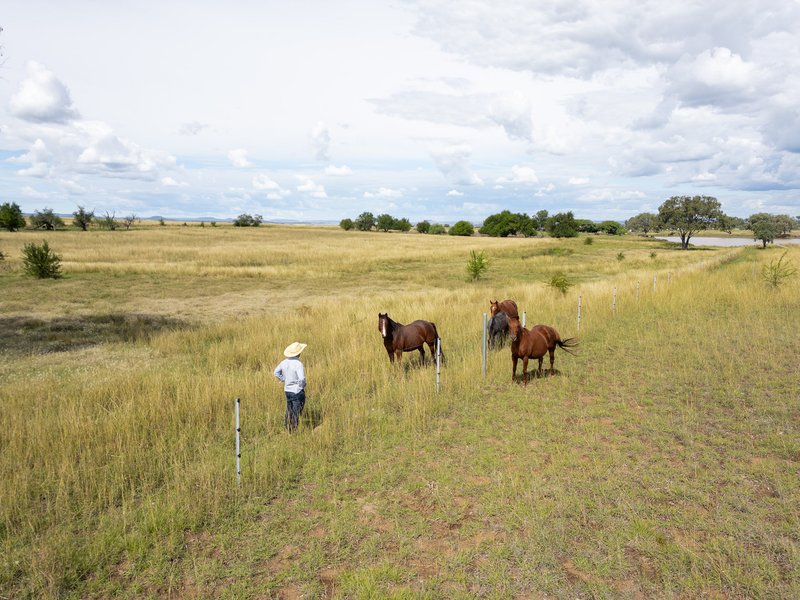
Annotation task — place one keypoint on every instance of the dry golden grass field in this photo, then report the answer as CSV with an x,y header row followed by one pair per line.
x,y
663,461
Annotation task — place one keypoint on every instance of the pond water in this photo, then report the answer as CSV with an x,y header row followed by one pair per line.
x,y
725,241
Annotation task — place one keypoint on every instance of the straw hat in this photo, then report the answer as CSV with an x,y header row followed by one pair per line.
x,y
294,349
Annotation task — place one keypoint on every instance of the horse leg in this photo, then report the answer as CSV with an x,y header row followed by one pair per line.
x,y
552,361
422,354
514,370
539,371
398,354
525,370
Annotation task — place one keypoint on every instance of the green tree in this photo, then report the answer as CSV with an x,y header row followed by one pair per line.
x,y
46,219
502,224
528,225
346,224
423,227
765,231
365,221
785,224
82,218
689,214
643,222
611,227
11,217
403,225
40,261
246,220
541,219
437,229
462,228
586,226
384,222
562,225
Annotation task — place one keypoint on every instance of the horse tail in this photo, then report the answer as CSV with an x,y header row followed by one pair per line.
x,y
439,340
567,344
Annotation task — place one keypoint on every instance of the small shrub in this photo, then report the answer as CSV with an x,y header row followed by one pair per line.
x,y
620,256
653,255
588,241
777,272
161,222
477,264
346,224
560,282
423,227
213,223
40,261
437,229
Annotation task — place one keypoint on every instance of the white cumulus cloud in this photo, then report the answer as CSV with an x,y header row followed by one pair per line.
x,y
453,162
42,98
520,175
238,158
338,171
384,193
315,190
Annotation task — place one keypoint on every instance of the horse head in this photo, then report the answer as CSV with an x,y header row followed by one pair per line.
x,y
384,324
514,329
494,306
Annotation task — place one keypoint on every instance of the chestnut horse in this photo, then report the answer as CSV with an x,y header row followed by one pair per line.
x,y
535,343
507,306
398,338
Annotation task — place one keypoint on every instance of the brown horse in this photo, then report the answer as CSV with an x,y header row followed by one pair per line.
x,y
398,338
535,343
507,306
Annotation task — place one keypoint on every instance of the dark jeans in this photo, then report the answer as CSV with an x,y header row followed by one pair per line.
x,y
294,408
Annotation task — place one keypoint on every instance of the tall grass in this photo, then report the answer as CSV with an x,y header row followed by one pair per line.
x,y
116,457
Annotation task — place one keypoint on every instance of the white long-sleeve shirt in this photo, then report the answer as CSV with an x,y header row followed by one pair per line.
x,y
291,372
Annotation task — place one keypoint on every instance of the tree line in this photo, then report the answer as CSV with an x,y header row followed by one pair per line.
x,y
684,215
687,215
366,221
12,219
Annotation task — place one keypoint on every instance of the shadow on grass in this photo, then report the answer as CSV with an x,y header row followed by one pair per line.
x,y
27,335
535,374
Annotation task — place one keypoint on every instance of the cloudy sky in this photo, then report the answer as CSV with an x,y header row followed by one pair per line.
x,y
312,110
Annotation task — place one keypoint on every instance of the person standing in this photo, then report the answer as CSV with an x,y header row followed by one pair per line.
x,y
293,375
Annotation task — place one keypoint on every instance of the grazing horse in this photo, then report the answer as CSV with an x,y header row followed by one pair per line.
x,y
498,330
535,343
398,338
507,306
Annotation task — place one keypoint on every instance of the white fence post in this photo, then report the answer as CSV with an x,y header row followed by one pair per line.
x,y
654,282
238,448
438,360
614,302
484,345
